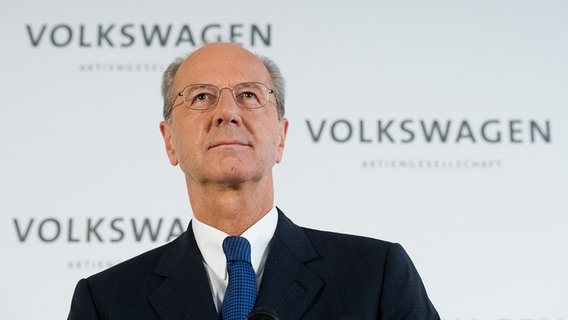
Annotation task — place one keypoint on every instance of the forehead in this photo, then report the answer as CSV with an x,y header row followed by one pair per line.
x,y
221,65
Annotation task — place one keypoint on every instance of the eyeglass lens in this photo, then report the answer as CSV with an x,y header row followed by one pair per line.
x,y
248,95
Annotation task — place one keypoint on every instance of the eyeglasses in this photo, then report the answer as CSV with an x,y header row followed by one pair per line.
x,y
247,95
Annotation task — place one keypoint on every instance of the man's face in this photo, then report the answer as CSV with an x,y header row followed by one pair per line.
x,y
226,145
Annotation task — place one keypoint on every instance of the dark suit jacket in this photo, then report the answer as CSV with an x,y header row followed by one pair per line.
x,y
308,274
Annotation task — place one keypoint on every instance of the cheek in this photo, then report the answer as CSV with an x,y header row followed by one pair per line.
x,y
185,144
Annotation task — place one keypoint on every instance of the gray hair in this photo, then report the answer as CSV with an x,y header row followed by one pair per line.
x,y
169,95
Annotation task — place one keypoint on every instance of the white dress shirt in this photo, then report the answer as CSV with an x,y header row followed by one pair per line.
x,y
210,243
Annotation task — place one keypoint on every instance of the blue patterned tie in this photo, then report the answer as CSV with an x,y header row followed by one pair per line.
x,y
241,292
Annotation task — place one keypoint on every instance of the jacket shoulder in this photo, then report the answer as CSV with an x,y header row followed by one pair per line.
x,y
143,263
127,277
337,243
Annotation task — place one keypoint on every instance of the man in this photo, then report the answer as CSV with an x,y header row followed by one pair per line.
x,y
225,127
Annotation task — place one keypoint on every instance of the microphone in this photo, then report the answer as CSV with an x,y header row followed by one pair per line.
x,y
262,313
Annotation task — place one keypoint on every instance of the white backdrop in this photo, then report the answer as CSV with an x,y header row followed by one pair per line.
x,y
441,125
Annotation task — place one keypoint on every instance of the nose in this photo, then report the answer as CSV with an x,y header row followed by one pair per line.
x,y
227,110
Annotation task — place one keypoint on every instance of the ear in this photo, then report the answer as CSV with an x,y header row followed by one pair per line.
x,y
282,136
166,131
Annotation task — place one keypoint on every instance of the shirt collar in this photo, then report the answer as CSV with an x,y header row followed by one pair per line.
x,y
210,243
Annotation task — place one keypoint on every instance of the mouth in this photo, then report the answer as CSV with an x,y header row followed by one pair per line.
x,y
229,143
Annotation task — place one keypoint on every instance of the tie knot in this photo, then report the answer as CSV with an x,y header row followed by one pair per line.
x,y
236,249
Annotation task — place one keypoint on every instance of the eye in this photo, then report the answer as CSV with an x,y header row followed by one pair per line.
x,y
248,99
201,99
249,95
201,96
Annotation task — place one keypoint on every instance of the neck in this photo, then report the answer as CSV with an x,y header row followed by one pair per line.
x,y
228,208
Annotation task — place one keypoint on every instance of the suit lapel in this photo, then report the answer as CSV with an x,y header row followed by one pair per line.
x,y
185,292
288,285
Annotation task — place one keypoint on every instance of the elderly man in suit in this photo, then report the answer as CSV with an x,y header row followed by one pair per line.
x,y
224,126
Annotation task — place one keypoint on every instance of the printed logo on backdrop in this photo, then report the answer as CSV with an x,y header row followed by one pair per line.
x,y
117,37
372,133
96,230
